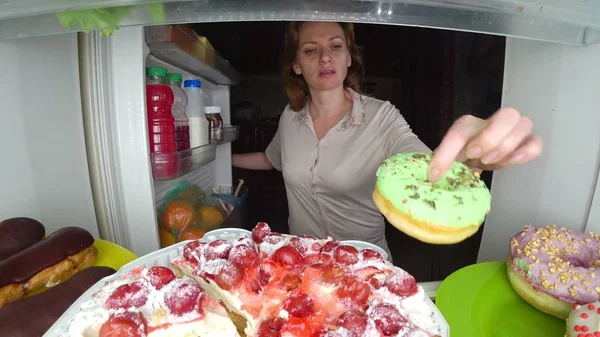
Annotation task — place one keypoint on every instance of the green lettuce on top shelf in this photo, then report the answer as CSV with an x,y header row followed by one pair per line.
x,y
106,20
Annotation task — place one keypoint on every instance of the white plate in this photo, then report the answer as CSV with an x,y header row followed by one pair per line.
x,y
163,257
225,234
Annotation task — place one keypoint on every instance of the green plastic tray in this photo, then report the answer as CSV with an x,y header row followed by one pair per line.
x,y
478,301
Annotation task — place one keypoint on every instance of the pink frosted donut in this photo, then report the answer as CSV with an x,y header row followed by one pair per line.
x,y
553,268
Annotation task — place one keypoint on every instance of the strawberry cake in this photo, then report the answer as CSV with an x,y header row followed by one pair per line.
x,y
151,303
276,285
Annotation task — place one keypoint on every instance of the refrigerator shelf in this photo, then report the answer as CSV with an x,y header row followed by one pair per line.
x,y
568,22
230,134
182,47
167,166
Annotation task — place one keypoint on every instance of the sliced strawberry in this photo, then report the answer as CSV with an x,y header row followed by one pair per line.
x,y
185,297
287,255
312,258
354,321
329,246
123,324
244,256
274,238
271,327
297,327
326,258
191,251
347,255
297,243
160,276
298,304
371,254
218,249
290,281
203,274
255,286
388,319
263,277
305,243
402,283
260,232
367,272
326,333
297,268
332,272
230,276
127,296
375,282
354,289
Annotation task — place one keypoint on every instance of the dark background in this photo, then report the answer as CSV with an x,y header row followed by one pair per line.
x,y
432,76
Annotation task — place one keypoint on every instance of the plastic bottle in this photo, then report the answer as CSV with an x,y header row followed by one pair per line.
x,y
215,123
195,112
182,129
159,100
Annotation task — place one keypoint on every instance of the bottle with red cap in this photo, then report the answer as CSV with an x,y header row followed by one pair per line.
x,y
161,124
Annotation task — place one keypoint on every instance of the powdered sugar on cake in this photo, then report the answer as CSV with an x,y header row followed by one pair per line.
x,y
153,303
303,286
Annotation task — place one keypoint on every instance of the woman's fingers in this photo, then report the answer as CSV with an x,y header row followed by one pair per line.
x,y
528,150
497,128
452,145
502,140
509,143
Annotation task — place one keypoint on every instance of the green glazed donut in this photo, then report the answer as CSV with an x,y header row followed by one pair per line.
x,y
445,212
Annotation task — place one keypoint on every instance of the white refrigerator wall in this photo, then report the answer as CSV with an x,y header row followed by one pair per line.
x,y
558,87
44,171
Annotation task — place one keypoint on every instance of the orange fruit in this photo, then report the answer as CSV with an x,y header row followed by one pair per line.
x,y
178,216
191,234
210,217
166,238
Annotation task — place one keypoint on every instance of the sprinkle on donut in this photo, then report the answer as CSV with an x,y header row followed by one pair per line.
x,y
584,321
458,200
558,261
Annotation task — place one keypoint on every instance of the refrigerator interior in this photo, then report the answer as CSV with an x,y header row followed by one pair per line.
x,y
53,137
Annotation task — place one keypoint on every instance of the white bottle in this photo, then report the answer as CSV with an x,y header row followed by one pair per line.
x,y
195,112
178,110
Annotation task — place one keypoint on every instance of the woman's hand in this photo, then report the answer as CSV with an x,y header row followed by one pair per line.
x,y
500,141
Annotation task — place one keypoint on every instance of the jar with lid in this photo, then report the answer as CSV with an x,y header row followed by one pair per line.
x,y
215,123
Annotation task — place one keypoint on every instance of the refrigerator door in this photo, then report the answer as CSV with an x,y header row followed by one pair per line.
x,y
43,170
113,87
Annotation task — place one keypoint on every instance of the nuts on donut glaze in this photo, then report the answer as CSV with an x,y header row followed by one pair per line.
x,y
458,200
558,261
584,321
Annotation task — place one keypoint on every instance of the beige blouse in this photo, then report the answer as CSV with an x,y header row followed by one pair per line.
x,y
329,183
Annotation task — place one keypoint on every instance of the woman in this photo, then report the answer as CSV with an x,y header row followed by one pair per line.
x,y
331,139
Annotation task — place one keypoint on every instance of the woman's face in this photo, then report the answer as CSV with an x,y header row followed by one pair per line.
x,y
322,57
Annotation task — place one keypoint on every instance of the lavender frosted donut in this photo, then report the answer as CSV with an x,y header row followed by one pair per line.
x,y
553,268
